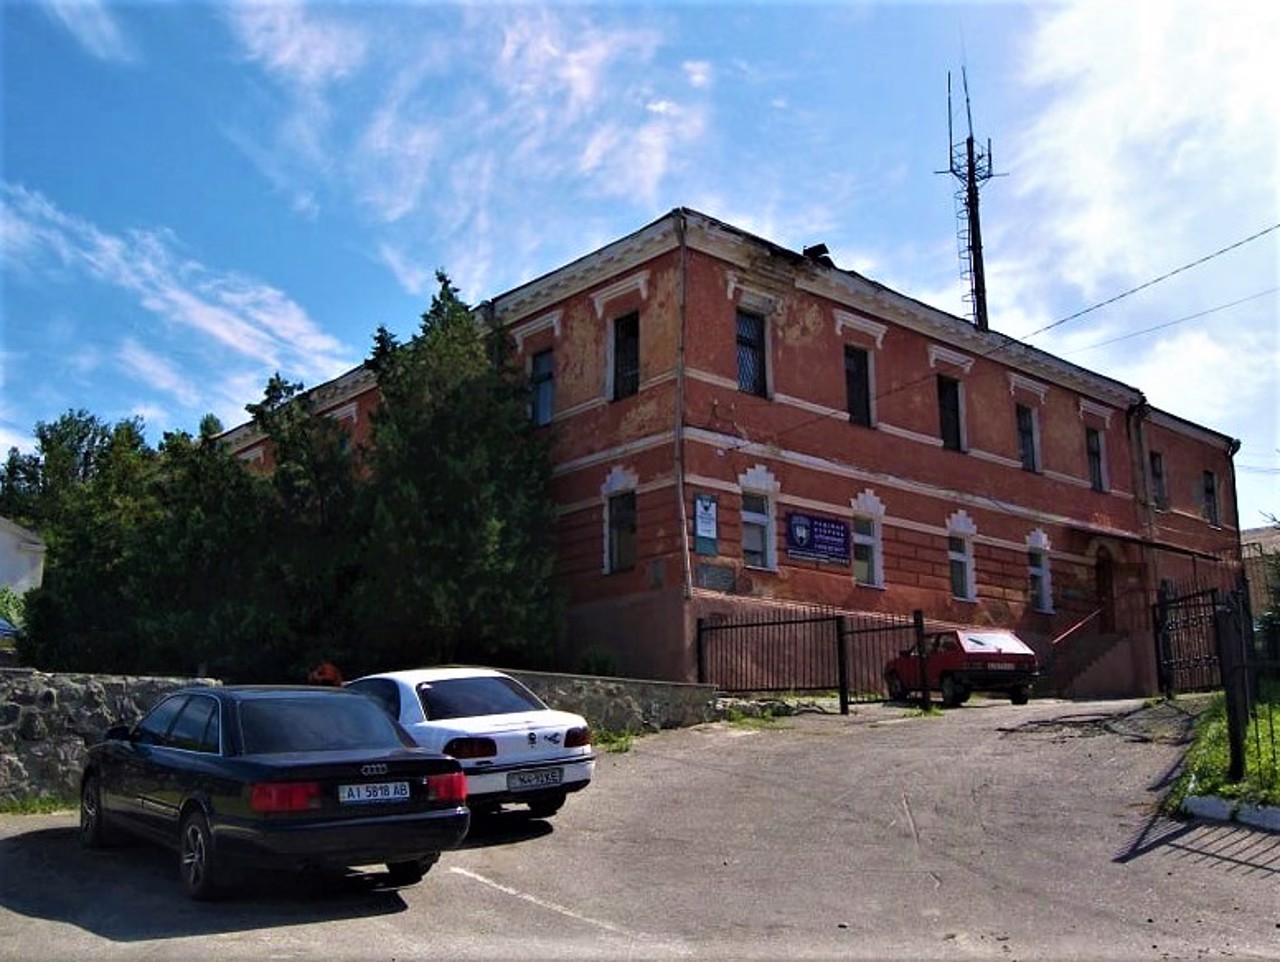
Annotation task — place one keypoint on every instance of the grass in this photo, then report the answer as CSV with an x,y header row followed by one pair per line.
x,y
933,711
1205,771
766,719
40,805
610,741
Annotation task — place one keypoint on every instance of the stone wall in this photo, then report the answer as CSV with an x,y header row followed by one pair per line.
x,y
47,722
624,704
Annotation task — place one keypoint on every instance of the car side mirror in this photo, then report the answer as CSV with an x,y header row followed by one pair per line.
x,y
118,733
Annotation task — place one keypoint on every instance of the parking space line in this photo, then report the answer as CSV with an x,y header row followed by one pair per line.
x,y
544,904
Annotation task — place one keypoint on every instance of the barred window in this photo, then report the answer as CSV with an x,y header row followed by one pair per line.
x,y
751,357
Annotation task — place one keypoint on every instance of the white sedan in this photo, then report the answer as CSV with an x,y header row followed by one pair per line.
x,y
512,747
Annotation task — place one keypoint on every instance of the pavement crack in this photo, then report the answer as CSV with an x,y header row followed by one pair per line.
x,y
911,819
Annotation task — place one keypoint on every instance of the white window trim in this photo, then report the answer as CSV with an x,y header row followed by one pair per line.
x,y
618,481
960,525
636,282
870,508
1096,410
1018,382
345,413
862,324
1038,542
944,355
760,481
529,328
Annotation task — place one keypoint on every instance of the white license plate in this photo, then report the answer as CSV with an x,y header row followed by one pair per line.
x,y
524,781
373,792
1000,665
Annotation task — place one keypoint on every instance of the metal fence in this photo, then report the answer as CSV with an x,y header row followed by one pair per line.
x,y
803,650
1186,641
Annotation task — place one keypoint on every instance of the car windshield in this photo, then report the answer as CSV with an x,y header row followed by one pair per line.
x,y
1001,642
306,723
480,695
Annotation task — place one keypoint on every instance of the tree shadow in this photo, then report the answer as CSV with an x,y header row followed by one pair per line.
x,y
131,894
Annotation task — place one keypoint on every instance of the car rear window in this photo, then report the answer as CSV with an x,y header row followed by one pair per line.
x,y
465,697
309,724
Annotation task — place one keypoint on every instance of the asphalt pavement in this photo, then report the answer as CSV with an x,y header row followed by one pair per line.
x,y
989,831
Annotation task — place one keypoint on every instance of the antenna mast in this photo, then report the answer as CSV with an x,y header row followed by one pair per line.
x,y
972,167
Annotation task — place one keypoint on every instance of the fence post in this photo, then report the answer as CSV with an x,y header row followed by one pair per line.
x,y
1235,687
702,656
842,662
1161,620
917,619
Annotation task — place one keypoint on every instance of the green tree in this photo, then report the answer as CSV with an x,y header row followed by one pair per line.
x,y
457,552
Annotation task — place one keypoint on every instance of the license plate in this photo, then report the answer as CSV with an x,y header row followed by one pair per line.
x,y
524,781
1000,665
373,792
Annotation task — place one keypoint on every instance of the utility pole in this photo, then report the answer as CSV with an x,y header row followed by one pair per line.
x,y
972,167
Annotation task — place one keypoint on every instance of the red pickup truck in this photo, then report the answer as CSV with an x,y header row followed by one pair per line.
x,y
965,660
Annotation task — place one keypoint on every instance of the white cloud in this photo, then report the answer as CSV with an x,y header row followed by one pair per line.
x,y
698,73
413,277
94,28
233,322
297,45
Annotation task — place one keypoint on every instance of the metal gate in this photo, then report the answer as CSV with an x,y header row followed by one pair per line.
x,y
803,651
1186,641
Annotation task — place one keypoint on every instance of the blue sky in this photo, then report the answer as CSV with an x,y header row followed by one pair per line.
x,y
197,195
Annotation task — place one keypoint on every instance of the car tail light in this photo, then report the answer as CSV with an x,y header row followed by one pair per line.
x,y
471,748
577,737
268,797
449,787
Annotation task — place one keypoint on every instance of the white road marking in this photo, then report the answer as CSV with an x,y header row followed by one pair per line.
x,y
544,904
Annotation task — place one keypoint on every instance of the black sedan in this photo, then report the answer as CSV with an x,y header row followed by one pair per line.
x,y
243,778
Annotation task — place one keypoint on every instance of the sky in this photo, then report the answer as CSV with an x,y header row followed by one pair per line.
x,y
196,195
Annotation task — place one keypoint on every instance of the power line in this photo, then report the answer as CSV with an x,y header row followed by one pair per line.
x,y
1155,280
1189,317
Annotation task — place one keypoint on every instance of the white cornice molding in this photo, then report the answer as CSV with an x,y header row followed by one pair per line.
x,y
1018,382
526,329
1195,431
1097,410
322,397
944,355
636,282
864,325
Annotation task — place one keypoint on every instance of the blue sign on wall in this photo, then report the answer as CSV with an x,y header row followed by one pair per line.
x,y
817,539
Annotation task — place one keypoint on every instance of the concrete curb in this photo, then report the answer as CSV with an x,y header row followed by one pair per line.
x,y
1221,810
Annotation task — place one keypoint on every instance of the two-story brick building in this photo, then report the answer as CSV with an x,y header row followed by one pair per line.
x,y
742,426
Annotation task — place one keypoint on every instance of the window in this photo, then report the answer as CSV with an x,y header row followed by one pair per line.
x,y
751,358
622,531
1159,487
196,729
1038,579
1028,438
1097,459
960,558
1210,506
866,551
153,730
950,423
757,531
626,356
543,385
857,383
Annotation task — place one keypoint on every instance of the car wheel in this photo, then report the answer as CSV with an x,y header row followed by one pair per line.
x,y
1020,695
952,692
409,873
546,807
897,690
197,866
93,831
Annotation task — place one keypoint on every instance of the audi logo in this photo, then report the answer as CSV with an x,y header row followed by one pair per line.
x,y
373,769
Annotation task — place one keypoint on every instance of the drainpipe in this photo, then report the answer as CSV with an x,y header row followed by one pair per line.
x,y
686,566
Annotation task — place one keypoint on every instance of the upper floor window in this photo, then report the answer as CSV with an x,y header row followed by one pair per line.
x,y
1097,459
950,413
1210,503
857,383
622,531
626,356
543,386
1028,438
1159,485
752,377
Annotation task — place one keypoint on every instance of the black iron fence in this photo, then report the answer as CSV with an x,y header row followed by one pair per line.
x,y
803,650
1186,642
